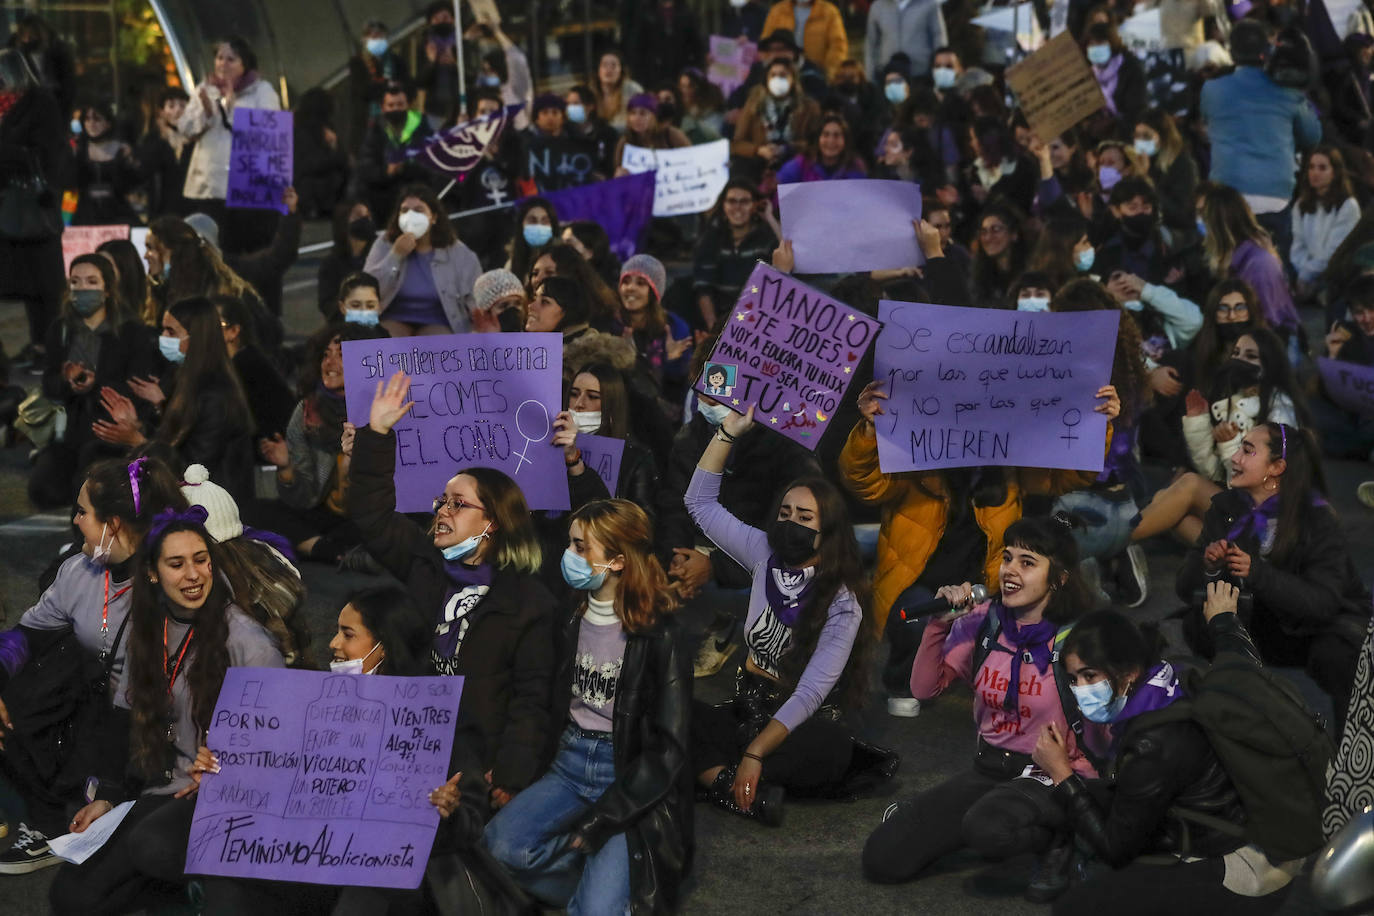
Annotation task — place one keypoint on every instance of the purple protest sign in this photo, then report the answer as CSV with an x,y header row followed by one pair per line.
x,y
980,386
481,400
872,219
1348,385
789,349
324,778
622,206
603,454
260,159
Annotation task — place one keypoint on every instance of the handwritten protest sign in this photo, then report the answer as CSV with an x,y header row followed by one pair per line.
x,y
1055,87
79,240
839,226
728,62
324,778
260,159
603,454
688,179
481,400
555,163
1349,385
485,11
790,350
976,386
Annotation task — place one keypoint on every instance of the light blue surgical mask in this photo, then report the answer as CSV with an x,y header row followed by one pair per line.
x,y
365,317
464,547
76,126
944,77
1099,54
1146,147
715,414
1133,305
488,80
166,269
536,235
1097,703
580,574
376,46
896,92
1033,304
577,112
1201,227
1084,260
171,349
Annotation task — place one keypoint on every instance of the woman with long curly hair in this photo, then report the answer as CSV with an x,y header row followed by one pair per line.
x,y
185,633
609,827
809,636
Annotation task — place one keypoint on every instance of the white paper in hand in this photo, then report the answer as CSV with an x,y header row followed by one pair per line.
x,y
78,847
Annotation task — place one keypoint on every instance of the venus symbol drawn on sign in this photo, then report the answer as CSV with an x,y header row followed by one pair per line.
x,y
529,440
1072,417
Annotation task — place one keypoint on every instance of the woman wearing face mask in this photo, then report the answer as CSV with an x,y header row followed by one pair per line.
x,y
1172,169
1120,682
1118,72
89,599
775,122
475,572
105,171
354,233
1063,251
426,272
808,638
536,224
498,303
209,121
185,632
98,342
608,828
1272,534
1031,292
829,156
599,402
369,71
584,122
381,631
1004,648
359,303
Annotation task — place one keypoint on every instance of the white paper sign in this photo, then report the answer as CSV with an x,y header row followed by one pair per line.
x,y
688,179
78,847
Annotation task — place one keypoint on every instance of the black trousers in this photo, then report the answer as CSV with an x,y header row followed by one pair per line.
x,y
1153,889
815,755
916,832
144,859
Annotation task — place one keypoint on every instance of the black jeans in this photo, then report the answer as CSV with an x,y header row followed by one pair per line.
x,y
920,830
814,755
1194,887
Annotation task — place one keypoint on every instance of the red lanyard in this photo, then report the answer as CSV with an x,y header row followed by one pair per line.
x,y
105,611
173,670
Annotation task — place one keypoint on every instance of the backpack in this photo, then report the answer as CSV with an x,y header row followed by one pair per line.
x,y
1273,748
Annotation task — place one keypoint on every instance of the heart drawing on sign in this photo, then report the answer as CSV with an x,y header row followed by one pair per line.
x,y
852,357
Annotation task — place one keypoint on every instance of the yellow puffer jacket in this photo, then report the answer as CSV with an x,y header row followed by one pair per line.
x,y
913,522
824,41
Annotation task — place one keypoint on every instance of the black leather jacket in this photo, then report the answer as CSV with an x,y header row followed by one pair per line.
x,y
651,799
1158,767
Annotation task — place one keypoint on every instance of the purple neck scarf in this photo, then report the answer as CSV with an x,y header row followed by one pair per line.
x,y
1106,78
1160,689
1256,521
1030,643
787,589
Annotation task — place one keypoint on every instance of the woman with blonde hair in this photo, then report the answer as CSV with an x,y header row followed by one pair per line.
x,y
608,829
1236,246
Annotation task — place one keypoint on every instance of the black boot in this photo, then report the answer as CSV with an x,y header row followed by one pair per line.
x,y
767,807
1050,877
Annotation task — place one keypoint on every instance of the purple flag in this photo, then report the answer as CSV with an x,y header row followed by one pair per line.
x,y
623,207
1349,385
458,149
261,159
324,778
791,351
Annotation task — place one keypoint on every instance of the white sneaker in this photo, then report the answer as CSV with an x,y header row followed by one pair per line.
x,y
903,707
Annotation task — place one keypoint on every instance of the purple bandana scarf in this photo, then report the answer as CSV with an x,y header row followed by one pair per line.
x,y
787,589
1030,643
1256,521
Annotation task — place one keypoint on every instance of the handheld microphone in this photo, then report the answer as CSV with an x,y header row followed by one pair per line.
x,y
938,605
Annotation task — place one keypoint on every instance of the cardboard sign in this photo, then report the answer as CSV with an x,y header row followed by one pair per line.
x,y
79,240
604,455
261,161
972,387
686,180
485,11
791,351
481,400
1348,385
1055,87
873,217
728,62
324,778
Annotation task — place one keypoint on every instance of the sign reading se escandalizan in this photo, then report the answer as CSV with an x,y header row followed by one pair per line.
x,y
324,778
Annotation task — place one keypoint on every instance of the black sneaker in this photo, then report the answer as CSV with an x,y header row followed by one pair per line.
x,y
30,852
1050,877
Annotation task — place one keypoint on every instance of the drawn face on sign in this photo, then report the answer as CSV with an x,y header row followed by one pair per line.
x,y
720,380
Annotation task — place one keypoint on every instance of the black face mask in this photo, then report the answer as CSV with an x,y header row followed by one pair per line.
x,y
793,544
363,229
1230,333
667,113
1237,374
396,118
509,320
1138,226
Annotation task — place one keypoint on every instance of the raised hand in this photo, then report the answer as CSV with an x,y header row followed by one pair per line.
x,y
736,424
784,259
871,400
148,390
1164,380
389,403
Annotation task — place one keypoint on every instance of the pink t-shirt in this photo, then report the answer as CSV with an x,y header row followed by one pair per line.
x,y
946,654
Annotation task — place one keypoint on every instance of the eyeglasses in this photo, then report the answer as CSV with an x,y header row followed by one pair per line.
x,y
455,504
992,230
1239,308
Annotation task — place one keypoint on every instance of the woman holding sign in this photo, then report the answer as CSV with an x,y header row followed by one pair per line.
x,y
185,631
609,828
209,121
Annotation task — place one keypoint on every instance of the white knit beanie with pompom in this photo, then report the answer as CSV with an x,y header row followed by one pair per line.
x,y
223,522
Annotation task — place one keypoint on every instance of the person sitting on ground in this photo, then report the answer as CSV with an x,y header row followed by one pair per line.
x,y
1345,434
830,156
354,232
498,302
735,238
599,403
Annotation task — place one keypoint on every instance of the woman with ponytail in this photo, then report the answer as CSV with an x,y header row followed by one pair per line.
x,y
185,632
609,828
87,602
1273,535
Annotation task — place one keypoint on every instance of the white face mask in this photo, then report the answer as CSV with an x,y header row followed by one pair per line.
x,y
944,77
100,554
355,665
587,421
413,222
1032,304
715,414
779,86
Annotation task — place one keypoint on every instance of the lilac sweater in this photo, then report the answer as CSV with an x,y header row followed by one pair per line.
x,y
748,546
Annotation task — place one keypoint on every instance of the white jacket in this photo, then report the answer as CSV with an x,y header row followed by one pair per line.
x,y
207,177
1212,459
1317,235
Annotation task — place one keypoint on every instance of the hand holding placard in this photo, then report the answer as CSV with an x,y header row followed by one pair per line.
x,y
261,159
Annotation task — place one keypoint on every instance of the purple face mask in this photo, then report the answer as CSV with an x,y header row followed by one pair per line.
x,y
1107,177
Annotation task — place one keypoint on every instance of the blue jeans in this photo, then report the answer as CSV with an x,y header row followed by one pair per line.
x,y
532,835
1108,522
